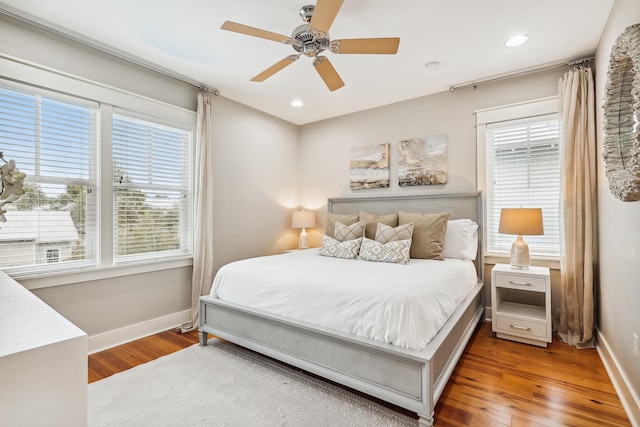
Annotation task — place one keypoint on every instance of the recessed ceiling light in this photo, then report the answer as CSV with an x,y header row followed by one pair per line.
x,y
516,41
296,103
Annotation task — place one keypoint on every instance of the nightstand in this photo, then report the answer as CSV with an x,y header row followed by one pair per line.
x,y
521,304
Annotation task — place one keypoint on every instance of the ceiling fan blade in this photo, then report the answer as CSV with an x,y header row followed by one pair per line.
x,y
255,32
324,14
387,45
328,73
275,68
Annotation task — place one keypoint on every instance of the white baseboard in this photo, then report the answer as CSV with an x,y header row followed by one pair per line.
x,y
628,396
130,333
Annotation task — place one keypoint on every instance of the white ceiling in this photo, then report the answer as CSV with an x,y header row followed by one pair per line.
x,y
465,36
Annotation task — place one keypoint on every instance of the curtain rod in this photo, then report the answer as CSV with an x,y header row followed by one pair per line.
x,y
94,44
522,73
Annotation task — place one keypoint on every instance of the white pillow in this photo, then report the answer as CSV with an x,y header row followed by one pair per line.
x,y
396,252
461,239
347,250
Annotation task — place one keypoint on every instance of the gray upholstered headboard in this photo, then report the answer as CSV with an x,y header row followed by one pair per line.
x,y
461,206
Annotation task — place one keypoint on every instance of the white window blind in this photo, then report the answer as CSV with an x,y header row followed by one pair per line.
x,y
151,189
53,139
523,170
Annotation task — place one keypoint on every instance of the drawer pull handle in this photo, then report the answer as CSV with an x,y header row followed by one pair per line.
x,y
511,282
522,328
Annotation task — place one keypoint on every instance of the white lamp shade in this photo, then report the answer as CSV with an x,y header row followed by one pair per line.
x,y
303,219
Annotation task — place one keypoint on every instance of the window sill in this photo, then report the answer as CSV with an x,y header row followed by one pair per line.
x,y
553,264
46,280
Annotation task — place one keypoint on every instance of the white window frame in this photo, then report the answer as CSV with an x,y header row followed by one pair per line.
x,y
90,182
185,187
58,82
512,112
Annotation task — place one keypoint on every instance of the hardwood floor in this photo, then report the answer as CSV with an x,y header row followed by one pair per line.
x,y
503,383
497,382
117,359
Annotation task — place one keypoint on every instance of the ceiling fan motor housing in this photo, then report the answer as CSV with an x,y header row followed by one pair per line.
x,y
310,41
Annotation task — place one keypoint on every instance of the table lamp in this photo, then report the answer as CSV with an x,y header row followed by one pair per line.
x,y
521,222
303,219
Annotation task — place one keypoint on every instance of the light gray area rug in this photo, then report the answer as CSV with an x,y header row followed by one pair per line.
x,y
225,385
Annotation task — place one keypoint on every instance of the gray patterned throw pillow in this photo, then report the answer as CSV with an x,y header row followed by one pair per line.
x,y
395,252
333,248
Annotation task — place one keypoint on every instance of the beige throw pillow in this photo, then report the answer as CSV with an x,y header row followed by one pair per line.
x,y
386,234
345,219
429,231
344,232
373,221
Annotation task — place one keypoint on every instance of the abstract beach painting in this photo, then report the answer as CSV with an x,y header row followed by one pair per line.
x,y
422,161
370,167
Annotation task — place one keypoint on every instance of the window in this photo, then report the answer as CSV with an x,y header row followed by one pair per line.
x,y
53,139
151,188
106,184
520,148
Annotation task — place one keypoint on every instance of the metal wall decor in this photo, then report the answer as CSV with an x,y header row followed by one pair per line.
x,y
621,123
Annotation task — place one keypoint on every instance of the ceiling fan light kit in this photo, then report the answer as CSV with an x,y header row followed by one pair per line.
x,y
312,38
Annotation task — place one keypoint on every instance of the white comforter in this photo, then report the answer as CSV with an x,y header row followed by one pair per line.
x,y
404,305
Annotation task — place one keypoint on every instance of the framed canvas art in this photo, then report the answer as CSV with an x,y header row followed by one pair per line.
x,y
422,161
369,167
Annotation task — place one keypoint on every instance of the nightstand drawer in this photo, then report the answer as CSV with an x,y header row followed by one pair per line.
x,y
524,328
520,281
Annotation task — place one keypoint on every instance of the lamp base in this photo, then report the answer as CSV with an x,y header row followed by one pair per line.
x,y
303,243
520,258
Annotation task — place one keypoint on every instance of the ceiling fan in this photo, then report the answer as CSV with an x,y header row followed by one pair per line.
x,y
312,38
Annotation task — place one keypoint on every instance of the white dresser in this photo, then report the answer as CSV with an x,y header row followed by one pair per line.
x,y
521,304
43,362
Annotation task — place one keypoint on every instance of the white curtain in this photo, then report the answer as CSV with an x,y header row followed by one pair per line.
x,y
203,206
578,189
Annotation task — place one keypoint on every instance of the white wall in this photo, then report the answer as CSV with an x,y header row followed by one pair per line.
x,y
256,188
325,145
618,294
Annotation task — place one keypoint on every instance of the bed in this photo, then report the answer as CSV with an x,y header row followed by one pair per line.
x,y
408,371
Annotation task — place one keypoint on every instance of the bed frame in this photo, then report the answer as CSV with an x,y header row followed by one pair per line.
x,y
411,379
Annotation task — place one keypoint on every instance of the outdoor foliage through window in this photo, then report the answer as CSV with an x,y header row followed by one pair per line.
x,y
151,170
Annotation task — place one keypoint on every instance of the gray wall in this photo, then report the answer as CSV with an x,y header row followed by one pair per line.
x,y
618,294
255,175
